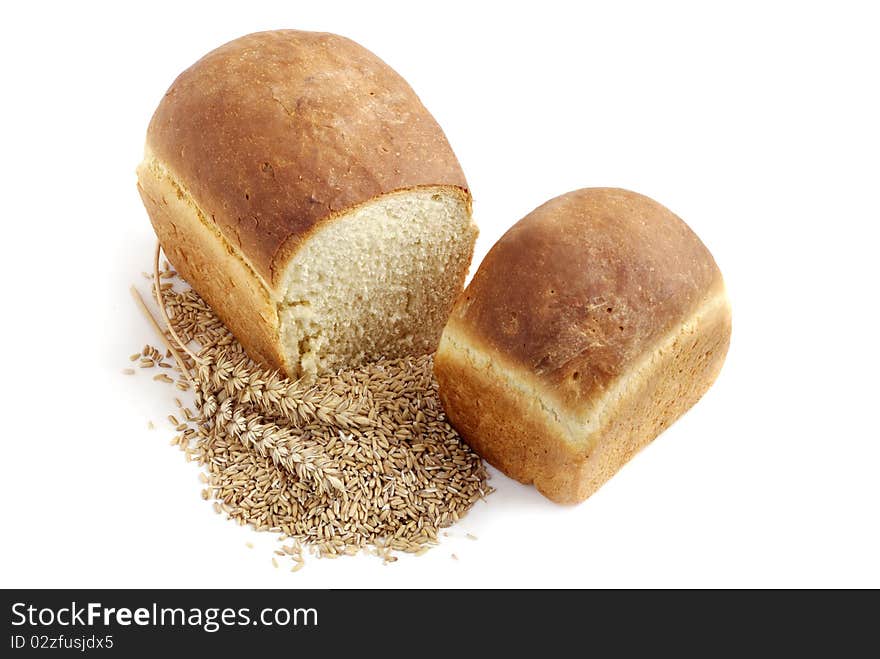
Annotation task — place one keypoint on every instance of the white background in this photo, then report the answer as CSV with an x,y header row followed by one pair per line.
x,y
758,124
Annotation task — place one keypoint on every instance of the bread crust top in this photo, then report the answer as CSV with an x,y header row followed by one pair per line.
x,y
582,287
277,132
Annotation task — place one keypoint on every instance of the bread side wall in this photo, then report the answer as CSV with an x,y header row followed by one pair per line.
x,y
670,381
506,418
209,265
510,425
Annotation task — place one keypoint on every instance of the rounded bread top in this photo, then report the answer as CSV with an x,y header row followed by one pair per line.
x,y
582,287
277,131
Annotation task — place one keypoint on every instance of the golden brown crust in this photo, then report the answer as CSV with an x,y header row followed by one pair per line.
x,y
536,314
275,132
584,285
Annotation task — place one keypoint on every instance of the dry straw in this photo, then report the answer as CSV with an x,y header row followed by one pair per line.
x,y
360,459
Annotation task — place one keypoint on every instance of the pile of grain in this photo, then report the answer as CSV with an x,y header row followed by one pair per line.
x,y
361,459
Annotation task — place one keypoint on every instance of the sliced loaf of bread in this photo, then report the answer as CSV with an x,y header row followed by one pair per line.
x,y
591,326
300,186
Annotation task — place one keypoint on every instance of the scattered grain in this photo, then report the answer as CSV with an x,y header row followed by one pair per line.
x,y
360,459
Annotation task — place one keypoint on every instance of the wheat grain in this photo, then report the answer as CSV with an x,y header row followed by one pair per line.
x,y
361,458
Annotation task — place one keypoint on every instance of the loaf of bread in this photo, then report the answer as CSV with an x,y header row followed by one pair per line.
x,y
300,186
593,324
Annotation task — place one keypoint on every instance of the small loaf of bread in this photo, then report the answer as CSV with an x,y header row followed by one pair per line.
x,y
300,186
593,324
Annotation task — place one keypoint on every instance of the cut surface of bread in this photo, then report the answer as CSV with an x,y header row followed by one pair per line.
x,y
590,327
379,281
299,185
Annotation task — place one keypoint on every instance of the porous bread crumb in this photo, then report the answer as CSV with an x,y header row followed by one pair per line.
x,y
372,285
